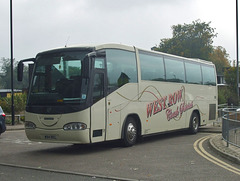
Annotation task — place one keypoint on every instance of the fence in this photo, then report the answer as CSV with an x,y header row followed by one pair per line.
x,y
219,119
16,118
231,126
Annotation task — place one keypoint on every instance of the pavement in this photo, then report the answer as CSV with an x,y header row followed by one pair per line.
x,y
216,141
15,127
219,145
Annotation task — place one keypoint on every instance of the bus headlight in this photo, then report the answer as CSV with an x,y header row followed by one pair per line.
x,y
30,125
74,126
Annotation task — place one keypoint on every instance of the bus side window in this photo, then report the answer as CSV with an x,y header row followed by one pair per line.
x,y
175,71
209,77
98,87
152,67
193,73
122,68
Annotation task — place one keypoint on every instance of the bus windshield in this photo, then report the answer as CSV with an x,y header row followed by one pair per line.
x,y
57,79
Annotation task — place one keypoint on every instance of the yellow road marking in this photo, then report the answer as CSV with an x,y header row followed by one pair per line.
x,y
198,146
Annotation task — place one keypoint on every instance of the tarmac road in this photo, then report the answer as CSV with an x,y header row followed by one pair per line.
x,y
163,157
8,173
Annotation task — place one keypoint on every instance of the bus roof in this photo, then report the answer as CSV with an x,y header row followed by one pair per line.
x,y
128,48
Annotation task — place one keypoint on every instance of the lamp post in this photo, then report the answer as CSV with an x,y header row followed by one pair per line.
x,y
11,44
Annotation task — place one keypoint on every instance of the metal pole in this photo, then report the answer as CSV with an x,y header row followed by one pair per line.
x,y
11,39
227,129
237,50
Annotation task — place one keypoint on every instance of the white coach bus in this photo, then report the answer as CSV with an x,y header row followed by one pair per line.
x,y
89,94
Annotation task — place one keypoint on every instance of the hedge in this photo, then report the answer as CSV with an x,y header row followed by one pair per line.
x,y
19,103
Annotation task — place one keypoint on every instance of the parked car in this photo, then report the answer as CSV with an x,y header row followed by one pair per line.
x,y
2,121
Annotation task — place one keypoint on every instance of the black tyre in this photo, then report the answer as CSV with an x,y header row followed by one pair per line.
x,y
194,123
130,132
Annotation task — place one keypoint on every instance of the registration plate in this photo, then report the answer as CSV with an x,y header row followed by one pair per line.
x,y
50,137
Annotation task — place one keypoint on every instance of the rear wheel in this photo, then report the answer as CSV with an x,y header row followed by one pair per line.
x,y
130,132
194,123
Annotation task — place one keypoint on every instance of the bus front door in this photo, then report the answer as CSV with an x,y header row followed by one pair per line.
x,y
98,109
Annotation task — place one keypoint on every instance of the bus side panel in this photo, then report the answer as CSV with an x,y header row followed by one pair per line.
x,y
98,121
201,96
169,106
162,105
114,123
120,103
210,99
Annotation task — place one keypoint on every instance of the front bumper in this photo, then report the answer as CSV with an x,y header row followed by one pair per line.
x,y
58,136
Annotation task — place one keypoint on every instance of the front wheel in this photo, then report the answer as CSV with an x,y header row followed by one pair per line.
x,y
130,132
194,123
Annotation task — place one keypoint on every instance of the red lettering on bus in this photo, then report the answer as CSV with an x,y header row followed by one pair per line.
x,y
149,109
165,103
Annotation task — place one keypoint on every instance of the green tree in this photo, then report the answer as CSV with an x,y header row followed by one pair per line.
x,y
5,73
219,57
230,75
189,40
1,83
19,100
5,76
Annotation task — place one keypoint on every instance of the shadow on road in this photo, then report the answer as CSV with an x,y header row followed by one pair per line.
x,y
85,149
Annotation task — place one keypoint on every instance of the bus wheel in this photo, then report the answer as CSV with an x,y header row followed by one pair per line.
x,y
130,132
194,123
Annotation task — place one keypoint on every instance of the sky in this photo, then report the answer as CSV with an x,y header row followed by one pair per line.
x,y
40,25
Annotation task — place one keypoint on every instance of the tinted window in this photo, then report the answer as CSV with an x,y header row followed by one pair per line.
x,y
121,68
98,87
209,77
99,63
174,70
152,67
57,79
193,73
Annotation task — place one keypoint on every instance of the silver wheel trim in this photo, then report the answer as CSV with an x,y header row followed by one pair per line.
x,y
195,123
131,132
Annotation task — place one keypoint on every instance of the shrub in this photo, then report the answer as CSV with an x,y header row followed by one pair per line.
x,y
221,96
227,95
19,103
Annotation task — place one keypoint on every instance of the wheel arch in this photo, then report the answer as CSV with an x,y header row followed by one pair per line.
x,y
194,122
199,116
138,122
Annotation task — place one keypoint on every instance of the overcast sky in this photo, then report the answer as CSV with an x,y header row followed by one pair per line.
x,y
44,24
